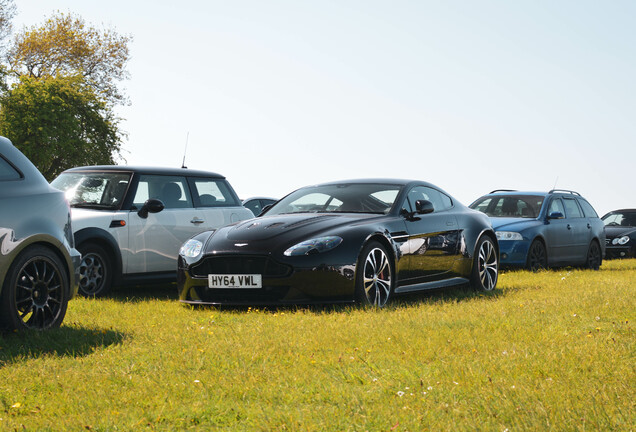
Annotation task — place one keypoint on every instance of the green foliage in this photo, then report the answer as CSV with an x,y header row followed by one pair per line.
x,y
546,351
58,123
7,12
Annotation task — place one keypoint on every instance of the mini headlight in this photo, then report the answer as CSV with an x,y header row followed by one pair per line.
x,y
508,235
313,246
191,248
620,240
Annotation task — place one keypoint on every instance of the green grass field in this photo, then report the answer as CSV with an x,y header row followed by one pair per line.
x,y
547,351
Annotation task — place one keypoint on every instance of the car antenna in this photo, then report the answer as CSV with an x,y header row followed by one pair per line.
x,y
555,182
185,150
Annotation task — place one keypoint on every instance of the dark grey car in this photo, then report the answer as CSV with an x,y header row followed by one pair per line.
x,y
38,263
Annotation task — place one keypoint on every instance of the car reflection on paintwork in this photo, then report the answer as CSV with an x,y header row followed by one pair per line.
x,y
38,263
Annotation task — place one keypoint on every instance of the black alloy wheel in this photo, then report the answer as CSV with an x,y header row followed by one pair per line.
x,y
537,256
485,265
374,276
36,290
594,258
95,270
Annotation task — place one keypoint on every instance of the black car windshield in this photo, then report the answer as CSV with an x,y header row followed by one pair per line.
x,y
339,198
99,190
515,206
620,219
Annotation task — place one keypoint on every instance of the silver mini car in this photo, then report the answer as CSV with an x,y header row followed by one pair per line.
x,y
38,263
129,222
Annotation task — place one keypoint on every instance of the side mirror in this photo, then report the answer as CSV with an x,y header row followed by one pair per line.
x,y
556,215
150,206
424,207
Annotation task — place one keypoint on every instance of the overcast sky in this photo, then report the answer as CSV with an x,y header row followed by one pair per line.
x,y
469,95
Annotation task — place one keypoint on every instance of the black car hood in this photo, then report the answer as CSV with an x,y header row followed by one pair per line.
x,y
618,231
268,227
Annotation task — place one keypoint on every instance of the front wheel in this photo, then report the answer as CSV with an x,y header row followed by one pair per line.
x,y
374,275
485,265
96,270
36,290
537,256
594,258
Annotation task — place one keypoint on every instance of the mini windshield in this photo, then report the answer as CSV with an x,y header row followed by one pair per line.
x,y
99,190
627,219
339,198
515,206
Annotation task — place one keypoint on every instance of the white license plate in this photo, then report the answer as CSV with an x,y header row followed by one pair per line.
x,y
235,281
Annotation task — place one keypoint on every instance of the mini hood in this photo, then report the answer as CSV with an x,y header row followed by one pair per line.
x,y
265,228
618,231
513,224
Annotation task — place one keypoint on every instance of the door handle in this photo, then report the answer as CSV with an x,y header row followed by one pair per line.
x,y
589,226
569,227
196,221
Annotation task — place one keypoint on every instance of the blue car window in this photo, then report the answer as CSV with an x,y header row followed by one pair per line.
x,y
572,209
587,208
556,206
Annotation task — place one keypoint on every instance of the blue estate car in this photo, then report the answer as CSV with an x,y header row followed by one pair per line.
x,y
544,229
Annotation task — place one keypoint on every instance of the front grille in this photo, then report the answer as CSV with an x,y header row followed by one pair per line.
x,y
243,264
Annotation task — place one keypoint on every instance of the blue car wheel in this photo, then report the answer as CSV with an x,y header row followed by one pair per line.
x,y
537,256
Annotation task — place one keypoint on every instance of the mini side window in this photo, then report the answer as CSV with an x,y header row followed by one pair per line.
x,y
7,171
173,191
211,192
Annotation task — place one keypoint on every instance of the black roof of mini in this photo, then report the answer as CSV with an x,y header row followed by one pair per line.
x,y
147,170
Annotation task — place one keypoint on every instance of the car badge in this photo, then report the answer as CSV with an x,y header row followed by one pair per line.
x,y
240,244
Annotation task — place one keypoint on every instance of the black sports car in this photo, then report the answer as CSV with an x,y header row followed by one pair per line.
x,y
359,240
620,233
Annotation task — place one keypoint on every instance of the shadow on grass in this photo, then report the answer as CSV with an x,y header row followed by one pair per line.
x,y
441,295
62,342
140,293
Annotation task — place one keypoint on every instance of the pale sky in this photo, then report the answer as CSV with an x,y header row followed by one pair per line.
x,y
469,95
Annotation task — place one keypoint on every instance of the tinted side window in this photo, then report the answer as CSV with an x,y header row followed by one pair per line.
x,y
7,172
211,192
173,191
572,209
254,206
587,208
440,201
556,206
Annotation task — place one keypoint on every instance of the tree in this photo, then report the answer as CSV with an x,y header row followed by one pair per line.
x,y
65,45
7,12
59,122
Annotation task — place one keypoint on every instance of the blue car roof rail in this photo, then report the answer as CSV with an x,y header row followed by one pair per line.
x,y
503,190
565,191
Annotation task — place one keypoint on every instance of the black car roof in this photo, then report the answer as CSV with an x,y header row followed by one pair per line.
x,y
401,182
147,170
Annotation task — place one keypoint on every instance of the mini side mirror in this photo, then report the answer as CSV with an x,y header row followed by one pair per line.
x,y
150,206
556,215
424,207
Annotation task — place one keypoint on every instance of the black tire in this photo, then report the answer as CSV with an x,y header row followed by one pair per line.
x,y
537,256
374,275
96,270
594,258
35,292
485,271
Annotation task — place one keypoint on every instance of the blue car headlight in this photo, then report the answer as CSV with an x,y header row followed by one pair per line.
x,y
621,240
313,246
508,235
191,249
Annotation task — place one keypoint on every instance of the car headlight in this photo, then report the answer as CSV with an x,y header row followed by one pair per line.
x,y
313,246
508,235
191,249
620,240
